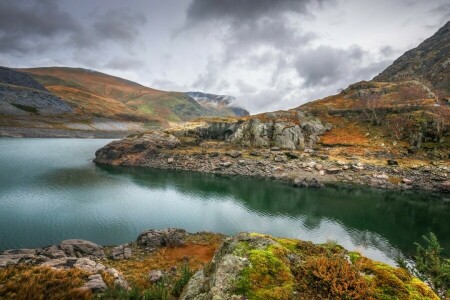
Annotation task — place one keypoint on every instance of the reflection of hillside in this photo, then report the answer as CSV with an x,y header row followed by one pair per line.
x,y
400,217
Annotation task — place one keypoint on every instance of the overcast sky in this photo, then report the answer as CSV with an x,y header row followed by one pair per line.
x,y
269,54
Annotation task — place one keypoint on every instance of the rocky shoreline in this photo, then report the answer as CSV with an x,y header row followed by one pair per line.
x,y
306,168
180,265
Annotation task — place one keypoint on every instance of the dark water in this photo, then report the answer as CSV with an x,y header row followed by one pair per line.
x,y
50,191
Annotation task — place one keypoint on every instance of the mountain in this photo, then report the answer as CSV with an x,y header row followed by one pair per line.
x,y
81,102
222,101
429,62
402,110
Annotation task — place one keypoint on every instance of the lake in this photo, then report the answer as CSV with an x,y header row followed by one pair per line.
x,y
50,191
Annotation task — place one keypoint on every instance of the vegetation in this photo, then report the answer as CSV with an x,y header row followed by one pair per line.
x,y
432,266
42,283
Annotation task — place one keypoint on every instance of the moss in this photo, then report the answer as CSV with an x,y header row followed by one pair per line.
x,y
268,275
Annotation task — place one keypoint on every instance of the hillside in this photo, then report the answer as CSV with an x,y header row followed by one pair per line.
x,y
70,102
96,93
429,62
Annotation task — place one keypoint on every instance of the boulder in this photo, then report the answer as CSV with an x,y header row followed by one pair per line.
x,y
445,186
234,153
170,160
155,276
333,170
121,252
170,237
95,283
82,248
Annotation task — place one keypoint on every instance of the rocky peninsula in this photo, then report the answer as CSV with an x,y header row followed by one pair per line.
x,y
281,145
174,264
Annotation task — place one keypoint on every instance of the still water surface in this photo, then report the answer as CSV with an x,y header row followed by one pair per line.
x,y
50,190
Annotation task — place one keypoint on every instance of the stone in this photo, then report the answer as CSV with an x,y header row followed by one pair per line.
x,y
121,252
275,149
255,153
118,279
407,181
61,263
234,153
382,176
291,155
170,160
82,248
226,164
445,186
52,252
95,283
392,162
318,167
241,162
279,158
333,170
89,265
155,276
170,237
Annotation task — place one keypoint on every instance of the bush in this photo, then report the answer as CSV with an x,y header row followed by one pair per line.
x,y
432,266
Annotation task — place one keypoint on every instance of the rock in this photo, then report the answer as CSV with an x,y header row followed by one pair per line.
x,y
305,182
119,280
82,248
307,150
214,154
255,153
61,263
52,252
279,158
358,167
234,153
407,181
155,276
170,160
445,186
121,252
95,283
89,265
226,164
318,167
275,149
392,162
322,172
241,162
291,155
333,170
11,259
381,176
170,237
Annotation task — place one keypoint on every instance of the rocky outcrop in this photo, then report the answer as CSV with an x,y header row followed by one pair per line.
x,y
255,266
144,145
82,248
170,237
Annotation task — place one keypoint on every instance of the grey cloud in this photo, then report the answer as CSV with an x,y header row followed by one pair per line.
x,y
242,10
23,21
327,65
30,26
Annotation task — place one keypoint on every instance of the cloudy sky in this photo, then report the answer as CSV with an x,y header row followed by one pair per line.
x,y
269,54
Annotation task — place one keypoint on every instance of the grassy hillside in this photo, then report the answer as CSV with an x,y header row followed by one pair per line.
x,y
99,94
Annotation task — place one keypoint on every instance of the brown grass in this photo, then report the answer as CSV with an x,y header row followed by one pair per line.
x,y
42,283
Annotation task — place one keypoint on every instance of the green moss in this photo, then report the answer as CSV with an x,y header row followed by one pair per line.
x,y
354,256
267,276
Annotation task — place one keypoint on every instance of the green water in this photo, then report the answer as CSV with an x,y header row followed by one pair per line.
x,y
50,190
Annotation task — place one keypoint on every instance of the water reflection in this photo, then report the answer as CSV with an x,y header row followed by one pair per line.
x,y
366,219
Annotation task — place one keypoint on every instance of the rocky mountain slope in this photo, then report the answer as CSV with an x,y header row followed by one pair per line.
x,y
174,264
222,101
429,63
22,95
